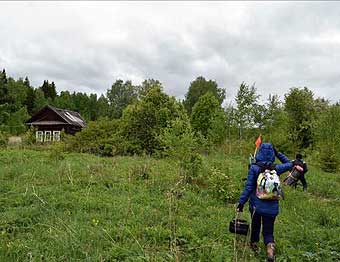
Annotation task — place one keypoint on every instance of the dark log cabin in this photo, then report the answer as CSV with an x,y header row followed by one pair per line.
x,y
50,121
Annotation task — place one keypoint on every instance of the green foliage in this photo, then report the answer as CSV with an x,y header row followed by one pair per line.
x,y
29,137
277,133
39,101
266,115
199,87
5,110
223,186
64,101
29,102
178,141
143,121
81,103
217,130
247,107
12,120
301,110
102,107
99,137
17,121
208,119
327,136
49,90
3,87
88,106
3,139
276,129
120,96
57,151
17,92
329,159
146,85
191,166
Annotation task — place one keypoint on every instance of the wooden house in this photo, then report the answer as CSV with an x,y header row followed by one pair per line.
x,y
50,121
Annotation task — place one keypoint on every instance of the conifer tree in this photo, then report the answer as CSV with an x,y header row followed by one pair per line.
x,y
3,87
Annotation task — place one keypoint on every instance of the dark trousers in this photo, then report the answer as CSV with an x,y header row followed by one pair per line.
x,y
267,228
303,181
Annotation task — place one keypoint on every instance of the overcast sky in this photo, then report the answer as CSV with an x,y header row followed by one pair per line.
x,y
86,46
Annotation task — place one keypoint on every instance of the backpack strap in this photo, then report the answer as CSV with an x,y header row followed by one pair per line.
x,y
263,166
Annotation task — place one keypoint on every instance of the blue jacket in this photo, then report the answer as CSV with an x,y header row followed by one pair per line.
x,y
265,156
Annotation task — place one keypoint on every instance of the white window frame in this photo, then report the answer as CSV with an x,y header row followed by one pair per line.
x,y
56,136
39,135
49,138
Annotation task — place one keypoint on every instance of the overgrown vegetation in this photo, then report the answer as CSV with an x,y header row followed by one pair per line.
x,y
82,207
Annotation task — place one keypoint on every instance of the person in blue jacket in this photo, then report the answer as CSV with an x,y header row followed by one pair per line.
x,y
264,211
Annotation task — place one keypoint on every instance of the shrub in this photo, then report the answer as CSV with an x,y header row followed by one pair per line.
x,y
179,141
3,139
99,137
57,152
301,110
29,137
329,160
327,135
222,186
208,118
191,167
143,121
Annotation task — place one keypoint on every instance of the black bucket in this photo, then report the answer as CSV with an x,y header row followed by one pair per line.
x,y
239,226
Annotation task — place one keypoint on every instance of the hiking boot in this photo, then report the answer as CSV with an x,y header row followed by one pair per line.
x,y
254,246
270,252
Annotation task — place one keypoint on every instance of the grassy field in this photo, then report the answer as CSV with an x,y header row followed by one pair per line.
x,y
79,207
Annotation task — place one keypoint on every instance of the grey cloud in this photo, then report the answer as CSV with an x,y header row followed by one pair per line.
x,y
86,46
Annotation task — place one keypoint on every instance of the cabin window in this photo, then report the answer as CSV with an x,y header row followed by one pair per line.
x,y
39,136
47,136
56,135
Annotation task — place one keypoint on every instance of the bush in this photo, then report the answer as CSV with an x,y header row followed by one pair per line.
x,y
29,137
179,141
208,118
327,136
13,119
3,139
301,109
143,121
57,152
99,137
222,186
191,167
329,160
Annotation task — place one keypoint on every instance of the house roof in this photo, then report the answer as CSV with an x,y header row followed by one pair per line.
x,y
70,117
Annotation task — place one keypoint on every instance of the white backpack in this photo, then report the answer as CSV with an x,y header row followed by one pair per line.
x,y
268,185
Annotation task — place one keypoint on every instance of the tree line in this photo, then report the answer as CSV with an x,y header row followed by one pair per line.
x,y
131,119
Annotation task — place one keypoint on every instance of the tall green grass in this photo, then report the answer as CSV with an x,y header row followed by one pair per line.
x,y
78,207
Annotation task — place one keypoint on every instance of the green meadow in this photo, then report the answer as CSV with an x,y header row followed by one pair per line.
x,y
80,207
